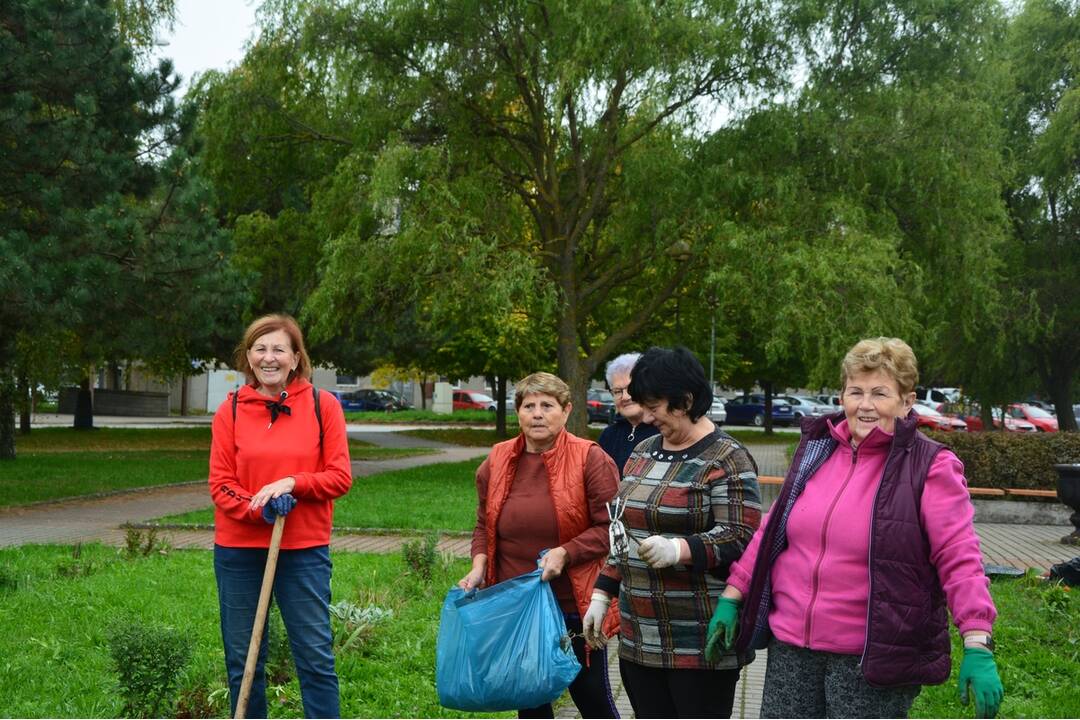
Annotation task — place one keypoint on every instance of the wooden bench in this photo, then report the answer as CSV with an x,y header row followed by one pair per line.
x,y
985,492
1027,492
973,491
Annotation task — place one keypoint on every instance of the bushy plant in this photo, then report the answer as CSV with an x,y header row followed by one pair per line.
x,y
203,698
148,660
136,544
1012,460
421,556
352,623
77,566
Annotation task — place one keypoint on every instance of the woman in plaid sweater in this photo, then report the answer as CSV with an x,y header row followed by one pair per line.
x,y
687,506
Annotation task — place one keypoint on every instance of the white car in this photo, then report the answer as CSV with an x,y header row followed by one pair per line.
x,y
718,413
807,406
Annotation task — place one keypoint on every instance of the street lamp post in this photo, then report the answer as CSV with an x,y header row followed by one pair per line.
x,y
712,338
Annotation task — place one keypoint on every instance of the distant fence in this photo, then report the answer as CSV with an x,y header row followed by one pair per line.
x,y
129,403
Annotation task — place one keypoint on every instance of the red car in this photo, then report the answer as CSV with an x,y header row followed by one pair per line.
x,y
930,418
975,423
1042,420
473,400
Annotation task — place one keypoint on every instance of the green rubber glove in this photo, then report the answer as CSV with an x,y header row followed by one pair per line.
x,y
722,628
979,672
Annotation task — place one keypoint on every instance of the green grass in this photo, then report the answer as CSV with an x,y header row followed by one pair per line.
x,y
1037,638
474,437
34,477
56,612
360,450
430,497
57,463
57,439
401,417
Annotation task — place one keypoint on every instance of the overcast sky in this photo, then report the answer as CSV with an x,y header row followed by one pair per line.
x,y
209,35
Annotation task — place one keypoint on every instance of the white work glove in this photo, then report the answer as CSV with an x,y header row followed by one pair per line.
x,y
660,552
592,625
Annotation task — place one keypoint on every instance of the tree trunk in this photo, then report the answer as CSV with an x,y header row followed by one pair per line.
x,y
26,395
7,419
500,406
84,407
767,387
183,396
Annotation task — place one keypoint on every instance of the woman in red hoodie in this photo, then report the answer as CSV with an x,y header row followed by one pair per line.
x,y
278,449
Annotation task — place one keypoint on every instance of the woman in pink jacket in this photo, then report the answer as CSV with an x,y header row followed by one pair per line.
x,y
870,542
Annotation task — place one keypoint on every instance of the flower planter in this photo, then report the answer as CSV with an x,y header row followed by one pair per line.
x,y
1068,492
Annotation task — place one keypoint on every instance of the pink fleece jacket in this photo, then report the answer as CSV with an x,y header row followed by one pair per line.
x,y
821,582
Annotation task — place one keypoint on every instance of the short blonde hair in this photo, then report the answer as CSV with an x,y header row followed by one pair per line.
x,y
268,324
892,355
541,383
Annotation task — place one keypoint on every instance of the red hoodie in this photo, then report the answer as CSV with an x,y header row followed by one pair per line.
x,y
252,453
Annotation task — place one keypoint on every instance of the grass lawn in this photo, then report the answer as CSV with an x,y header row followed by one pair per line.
x,y
57,613
1037,638
32,477
55,463
430,497
474,437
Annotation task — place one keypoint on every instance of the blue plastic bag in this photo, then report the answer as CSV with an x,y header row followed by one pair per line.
x,y
503,648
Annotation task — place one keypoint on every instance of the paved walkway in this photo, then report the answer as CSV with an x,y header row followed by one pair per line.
x,y
99,519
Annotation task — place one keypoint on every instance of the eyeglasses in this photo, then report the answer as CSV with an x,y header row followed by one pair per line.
x,y
876,396
619,392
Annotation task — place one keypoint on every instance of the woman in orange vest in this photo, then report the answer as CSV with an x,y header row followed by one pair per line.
x,y
548,490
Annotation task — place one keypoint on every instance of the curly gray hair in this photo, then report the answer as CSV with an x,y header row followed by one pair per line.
x,y
622,364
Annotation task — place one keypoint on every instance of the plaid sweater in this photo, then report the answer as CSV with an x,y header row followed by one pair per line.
x,y
707,494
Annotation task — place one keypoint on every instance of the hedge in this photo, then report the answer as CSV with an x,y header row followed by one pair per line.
x,y
1012,460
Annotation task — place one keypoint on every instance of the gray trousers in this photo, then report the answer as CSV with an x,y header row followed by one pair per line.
x,y
802,683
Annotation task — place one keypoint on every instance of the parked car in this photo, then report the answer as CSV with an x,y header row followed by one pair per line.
x,y
717,413
831,400
928,417
935,397
370,399
601,405
804,406
975,423
750,410
473,400
1041,419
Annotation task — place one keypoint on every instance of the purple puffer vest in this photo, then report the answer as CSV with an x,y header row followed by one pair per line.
x,y
907,634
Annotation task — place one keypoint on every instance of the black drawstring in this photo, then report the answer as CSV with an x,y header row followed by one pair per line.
x,y
277,406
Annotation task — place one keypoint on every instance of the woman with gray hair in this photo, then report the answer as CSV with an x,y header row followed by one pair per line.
x,y
866,553
548,490
629,427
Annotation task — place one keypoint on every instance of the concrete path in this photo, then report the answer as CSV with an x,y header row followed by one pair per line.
x,y
99,518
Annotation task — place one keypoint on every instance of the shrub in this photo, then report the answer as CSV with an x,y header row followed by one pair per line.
x,y
421,556
135,545
352,623
1012,460
148,660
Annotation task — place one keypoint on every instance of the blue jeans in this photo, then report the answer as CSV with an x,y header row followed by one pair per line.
x,y
302,593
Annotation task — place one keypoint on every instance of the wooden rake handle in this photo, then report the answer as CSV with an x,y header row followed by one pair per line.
x,y
260,616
